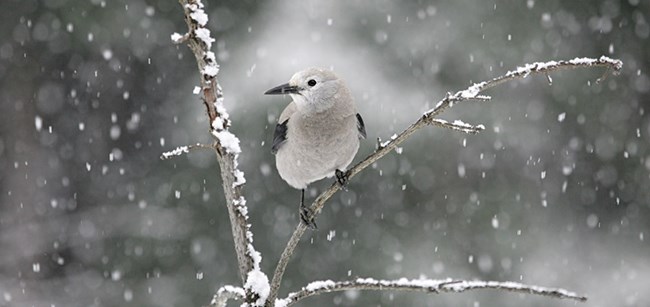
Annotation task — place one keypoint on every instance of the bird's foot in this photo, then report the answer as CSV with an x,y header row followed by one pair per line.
x,y
307,217
342,178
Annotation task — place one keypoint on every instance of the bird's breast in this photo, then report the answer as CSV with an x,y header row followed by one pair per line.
x,y
315,148
325,133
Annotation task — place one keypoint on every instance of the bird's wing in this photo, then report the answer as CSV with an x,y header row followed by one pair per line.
x,y
279,136
280,133
361,127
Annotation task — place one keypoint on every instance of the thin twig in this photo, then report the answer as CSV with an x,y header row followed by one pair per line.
x,y
179,39
604,76
456,125
462,286
471,93
179,151
421,285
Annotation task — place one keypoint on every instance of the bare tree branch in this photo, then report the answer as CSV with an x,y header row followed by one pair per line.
x,y
227,144
421,285
471,93
522,72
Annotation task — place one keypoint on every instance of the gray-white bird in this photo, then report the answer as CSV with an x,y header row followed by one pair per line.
x,y
318,133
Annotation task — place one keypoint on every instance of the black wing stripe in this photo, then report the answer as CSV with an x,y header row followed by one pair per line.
x,y
279,136
361,127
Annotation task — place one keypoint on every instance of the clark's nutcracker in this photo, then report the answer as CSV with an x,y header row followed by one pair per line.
x,y
318,133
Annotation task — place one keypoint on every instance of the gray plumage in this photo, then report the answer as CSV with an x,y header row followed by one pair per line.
x,y
318,132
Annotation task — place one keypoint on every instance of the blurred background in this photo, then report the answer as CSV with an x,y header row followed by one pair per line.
x,y
556,191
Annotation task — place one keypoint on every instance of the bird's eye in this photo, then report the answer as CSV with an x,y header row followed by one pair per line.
x,y
311,82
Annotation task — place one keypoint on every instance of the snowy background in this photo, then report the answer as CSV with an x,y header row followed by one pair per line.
x,y
555,192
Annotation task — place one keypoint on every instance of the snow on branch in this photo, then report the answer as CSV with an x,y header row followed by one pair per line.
x,y
199,39
226,293
178,38
179,151
473,91
457,125
462,285
421,285
428,118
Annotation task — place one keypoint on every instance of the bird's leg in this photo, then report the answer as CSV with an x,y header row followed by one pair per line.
x,y
342,178
306,214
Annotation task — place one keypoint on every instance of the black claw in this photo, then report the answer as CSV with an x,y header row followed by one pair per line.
x,y
342,178
306,214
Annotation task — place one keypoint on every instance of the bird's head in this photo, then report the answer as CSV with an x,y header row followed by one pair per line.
x,y
311,89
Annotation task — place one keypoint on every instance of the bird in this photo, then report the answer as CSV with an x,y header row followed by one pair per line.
x,y
317,134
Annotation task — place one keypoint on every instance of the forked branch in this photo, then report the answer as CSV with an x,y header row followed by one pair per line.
x,y
428,118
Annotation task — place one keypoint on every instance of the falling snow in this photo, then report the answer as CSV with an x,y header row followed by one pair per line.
x,y
38,123
94,94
